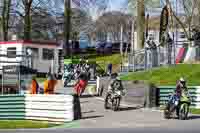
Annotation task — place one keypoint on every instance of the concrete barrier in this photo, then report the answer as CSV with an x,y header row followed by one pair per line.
x,y
102,85
58,108
54,108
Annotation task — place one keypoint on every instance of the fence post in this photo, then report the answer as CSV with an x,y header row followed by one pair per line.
x,y
134,63
145,56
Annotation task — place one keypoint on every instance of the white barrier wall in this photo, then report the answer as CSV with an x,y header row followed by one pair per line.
x,y
55,108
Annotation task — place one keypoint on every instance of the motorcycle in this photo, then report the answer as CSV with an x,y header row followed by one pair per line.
x,y
67,78
181,106
113,98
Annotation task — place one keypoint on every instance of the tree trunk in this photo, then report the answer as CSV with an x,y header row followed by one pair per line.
x,y
132,36
67,29
121,40
140,24
27,20
5,18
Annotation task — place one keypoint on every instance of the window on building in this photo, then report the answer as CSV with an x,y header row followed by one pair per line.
x,y
48,54
35,52
11,52
182,35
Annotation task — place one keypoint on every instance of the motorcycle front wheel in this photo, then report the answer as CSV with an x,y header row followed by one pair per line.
x,y
167,114
183,111
115,104
107,100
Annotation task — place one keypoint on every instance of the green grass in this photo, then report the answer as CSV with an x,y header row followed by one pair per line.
x,y
168,75
40,80
102,61
16,124
195,111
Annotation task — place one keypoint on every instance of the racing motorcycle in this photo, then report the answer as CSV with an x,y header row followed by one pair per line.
x,y
180,106
68,77
113,96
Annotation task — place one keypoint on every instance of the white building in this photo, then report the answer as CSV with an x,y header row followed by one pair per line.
x,y
38,55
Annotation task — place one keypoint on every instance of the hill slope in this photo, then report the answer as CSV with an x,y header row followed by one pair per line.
x,y
169,75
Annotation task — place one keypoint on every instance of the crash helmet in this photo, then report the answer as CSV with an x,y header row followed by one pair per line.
x,y
182,82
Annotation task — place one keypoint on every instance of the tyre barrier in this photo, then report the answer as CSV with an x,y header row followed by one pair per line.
x,y
165,91
52,108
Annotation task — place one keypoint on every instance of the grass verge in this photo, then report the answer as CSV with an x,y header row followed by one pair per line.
x,y
17,124
168,75
40,80
195,111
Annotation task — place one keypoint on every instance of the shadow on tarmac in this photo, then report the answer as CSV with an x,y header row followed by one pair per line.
x,y
129,108
92,117
193,117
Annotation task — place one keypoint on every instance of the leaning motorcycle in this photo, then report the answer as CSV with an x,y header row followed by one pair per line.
x,y
67,78
180,106
113,98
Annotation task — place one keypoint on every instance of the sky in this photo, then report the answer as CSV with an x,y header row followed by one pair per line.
x,y
117,4
122,4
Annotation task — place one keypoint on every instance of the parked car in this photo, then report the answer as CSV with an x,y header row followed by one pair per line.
x,y
108,48
100,47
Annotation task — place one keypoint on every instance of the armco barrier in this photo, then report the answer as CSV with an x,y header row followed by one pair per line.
x,y
165,91
54,108
12,107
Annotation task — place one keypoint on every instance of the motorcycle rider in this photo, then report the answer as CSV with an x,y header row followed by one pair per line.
x,y
180,86
115,83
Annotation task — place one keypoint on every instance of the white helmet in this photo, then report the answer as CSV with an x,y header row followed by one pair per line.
x,y
182,81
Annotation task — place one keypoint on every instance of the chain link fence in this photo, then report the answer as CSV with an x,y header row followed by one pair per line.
x,y
149,58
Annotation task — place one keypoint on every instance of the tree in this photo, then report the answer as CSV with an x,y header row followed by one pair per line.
x,y
5,18
67,26
140,23
27,19
138,8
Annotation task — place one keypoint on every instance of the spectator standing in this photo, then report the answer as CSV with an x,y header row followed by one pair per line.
x,y
109,68
34,86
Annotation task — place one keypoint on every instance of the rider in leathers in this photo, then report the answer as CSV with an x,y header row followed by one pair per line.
x,y
115,83
180,86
